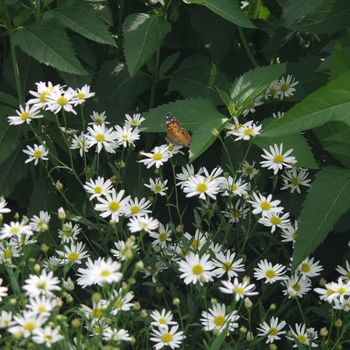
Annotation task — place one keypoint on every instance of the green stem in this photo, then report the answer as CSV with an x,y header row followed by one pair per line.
x,y
155,78
246,47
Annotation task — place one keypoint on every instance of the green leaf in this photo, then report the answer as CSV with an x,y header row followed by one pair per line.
x,y
194,114
143,35
330,103
328,198
299,8
168,63
114,84
227,9
227,100
9,100
250,85
217,33
9,139
12,171
328,18
341,61
82,19
198,77
48,43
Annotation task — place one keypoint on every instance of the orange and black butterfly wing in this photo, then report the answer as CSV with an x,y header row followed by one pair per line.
x,y
176,135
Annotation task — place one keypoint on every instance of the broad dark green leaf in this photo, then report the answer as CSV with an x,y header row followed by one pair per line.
x,y
168,63
341,62
328,18
299,8
12,171
328,198
143,36
198,77
114,84
8,100
250,85
227,9
330,103
48,43
83,19
217,33
9,138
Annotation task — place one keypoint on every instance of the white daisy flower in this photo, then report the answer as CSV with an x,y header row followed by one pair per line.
x,y
271,330
25,115
270,273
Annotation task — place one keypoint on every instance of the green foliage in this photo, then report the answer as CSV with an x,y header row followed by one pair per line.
x,y
218,67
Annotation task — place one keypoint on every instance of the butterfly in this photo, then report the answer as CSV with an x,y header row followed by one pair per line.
x,y
176,135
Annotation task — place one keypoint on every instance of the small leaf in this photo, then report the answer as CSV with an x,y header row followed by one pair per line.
x,y
227,9
114,84
82,19
143,35
329,103
299,8
9,139
9,99
327,19
250,85
198,77
328,198
341,61
48,43
168,63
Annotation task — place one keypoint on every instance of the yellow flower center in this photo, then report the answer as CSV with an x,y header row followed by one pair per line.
x,y
157,156
62,101
114,206
330,292
72,256
249,105
270,273
302,338
227,266
197,269
167,338
265,205
278,159
305,268
15,230
24,115
294,235
105,273
162,320
6,254
294,181
285,87
80,95
296,287
273,331
233,187
342,290
275,220
162,237
273,91
134,210
248,131
98,189
202,187
29,326
118,304
42,308
157,188
43,96
219,320
240,290
98,121
96,313
41,285
195,243
37,154
236,213
100,137
248,170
